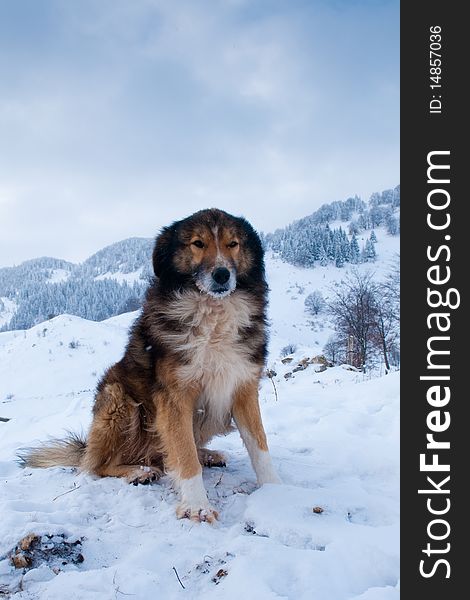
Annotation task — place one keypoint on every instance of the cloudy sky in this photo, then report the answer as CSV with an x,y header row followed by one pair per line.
x,y
120,116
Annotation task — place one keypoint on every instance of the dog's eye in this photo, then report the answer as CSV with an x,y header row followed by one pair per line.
x,y
198,243
232,244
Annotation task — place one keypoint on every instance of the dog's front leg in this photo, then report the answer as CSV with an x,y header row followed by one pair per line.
x,y
248,419
175,429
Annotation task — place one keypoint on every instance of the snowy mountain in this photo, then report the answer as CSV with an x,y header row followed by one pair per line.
x,y
330,235
122,259
108,283
114,279
330,532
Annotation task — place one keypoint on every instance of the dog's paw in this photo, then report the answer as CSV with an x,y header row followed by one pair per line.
x,y
144,475
211,458
197,513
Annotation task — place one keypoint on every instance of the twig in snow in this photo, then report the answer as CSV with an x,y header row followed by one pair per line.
x,y
117,590
178,577
75,487
271,375
219,480
4,419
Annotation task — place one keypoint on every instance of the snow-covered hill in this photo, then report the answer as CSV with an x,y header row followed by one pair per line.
x,y
114,279
332,431
109,282
290,285
333,435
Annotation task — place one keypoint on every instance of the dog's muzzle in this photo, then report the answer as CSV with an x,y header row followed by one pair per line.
x,y
222,283
219,283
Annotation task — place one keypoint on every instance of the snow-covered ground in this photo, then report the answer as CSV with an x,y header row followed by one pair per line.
x,y
289,286
333,436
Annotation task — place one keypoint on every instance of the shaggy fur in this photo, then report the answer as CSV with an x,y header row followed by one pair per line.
x,y
192,364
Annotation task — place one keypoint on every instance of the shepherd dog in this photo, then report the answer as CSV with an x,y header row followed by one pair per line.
x,y
190,371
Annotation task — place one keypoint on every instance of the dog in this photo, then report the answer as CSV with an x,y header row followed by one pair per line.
x,y
192,366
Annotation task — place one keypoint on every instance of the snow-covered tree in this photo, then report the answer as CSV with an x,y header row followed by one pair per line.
x,y
323,258
393,224
354,250
369,254
354,228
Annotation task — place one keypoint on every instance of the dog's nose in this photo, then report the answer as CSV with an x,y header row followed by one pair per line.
x,y
221,275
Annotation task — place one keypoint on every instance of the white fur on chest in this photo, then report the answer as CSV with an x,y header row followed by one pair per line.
x,y
218,361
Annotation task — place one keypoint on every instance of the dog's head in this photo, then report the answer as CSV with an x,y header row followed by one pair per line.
x,y
212,250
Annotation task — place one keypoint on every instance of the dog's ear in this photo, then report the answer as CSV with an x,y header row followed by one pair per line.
x,y
253,240
162,251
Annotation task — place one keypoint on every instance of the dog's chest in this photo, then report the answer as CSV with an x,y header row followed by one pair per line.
x,y
216,357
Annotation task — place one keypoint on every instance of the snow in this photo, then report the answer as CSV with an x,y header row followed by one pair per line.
x,y
9,308
58,275
290,286
129,278
333,436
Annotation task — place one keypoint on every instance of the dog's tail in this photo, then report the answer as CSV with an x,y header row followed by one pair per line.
x,y
67,452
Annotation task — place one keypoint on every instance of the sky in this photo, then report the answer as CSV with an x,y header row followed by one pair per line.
x,y
118,117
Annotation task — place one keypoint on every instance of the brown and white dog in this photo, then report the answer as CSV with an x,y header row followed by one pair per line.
x,y
192,364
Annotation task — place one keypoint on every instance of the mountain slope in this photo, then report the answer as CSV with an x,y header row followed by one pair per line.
x,y
114,279
334,441
109,282
333,433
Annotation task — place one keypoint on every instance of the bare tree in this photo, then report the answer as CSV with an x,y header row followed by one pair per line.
x,y
366,314
314,303
335,349
392,284
353,309
385,331
388,313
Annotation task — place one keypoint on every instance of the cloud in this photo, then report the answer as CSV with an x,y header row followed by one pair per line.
x,y
121,116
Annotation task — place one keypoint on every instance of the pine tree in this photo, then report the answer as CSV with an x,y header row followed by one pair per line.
x,y
363,220
323,256
375,199
354,228
354,250
393,225
369,252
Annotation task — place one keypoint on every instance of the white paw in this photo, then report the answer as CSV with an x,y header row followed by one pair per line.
x,y
197,513
194,504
